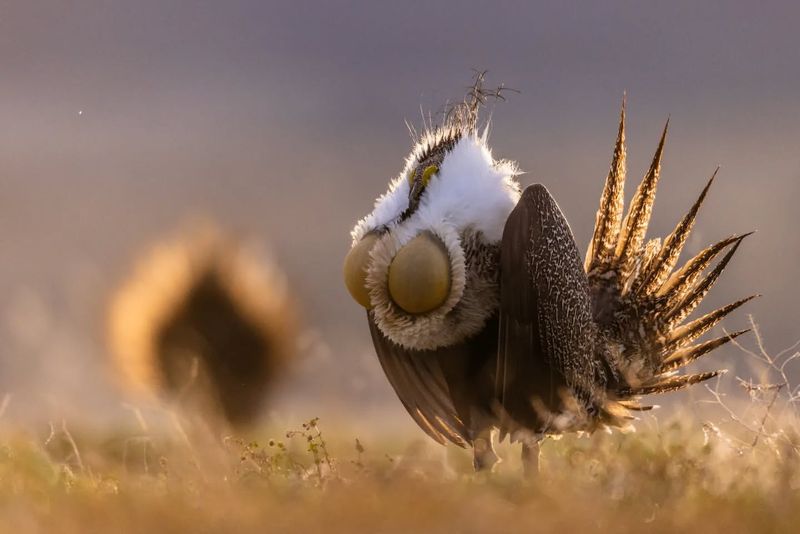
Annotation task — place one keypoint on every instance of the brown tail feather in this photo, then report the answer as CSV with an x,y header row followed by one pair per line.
x,y
634,226
614,414
635,406
657,274
609,216
683,279
698,293
672,383
683,335
686,355
643,262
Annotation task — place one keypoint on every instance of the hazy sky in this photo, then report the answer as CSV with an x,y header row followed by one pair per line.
x,y
284,122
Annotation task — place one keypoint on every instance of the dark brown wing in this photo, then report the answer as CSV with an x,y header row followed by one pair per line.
x,y
546,349
444,390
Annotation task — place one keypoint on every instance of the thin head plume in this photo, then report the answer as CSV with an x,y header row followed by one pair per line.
x,y
412,131
459,119
427,120
609,215
464,116
487,128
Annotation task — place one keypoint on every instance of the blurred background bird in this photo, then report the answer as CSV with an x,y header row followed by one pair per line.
x,y
206,323
485,318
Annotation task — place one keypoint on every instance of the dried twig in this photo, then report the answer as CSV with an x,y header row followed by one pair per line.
x,y
764,394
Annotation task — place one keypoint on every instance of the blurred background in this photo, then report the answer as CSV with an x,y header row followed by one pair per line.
x,y
122,120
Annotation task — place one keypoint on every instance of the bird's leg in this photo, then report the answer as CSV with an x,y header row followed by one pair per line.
x,y
530,456
484,458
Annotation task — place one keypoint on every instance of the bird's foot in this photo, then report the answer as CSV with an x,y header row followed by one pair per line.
x,y
484,459
530,458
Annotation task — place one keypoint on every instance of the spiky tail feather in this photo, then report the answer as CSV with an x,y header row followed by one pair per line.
x,y
640,301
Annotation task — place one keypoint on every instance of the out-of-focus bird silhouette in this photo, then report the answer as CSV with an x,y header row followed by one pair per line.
x,y
204,321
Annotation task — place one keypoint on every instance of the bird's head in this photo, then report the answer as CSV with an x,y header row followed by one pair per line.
x,y
424,261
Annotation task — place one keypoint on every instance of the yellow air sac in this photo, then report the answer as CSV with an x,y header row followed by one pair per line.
x,y
419,276
356,264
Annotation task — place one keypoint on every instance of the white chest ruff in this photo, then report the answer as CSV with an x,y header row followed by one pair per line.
x,y
466,206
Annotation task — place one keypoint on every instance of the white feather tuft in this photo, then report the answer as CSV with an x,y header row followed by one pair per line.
x,y
470,190
471,193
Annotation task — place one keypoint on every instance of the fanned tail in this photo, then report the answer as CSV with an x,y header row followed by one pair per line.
x,y
640,300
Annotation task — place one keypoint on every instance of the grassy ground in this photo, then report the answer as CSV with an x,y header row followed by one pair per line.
x,y
678,474
727,463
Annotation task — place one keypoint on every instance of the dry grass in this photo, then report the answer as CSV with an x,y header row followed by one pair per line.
x,y
677,475
721,466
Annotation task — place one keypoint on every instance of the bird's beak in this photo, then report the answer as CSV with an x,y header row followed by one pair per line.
x,y
414,194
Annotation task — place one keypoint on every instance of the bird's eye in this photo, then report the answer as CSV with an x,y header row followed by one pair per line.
x,y
429,171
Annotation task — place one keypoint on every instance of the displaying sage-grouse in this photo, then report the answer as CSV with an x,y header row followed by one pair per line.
x,y
483,315
205,323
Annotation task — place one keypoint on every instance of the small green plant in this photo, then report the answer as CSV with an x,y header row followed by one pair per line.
x,y
277,460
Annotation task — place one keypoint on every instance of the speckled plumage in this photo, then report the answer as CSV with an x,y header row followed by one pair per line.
x,y
546,315
553,343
